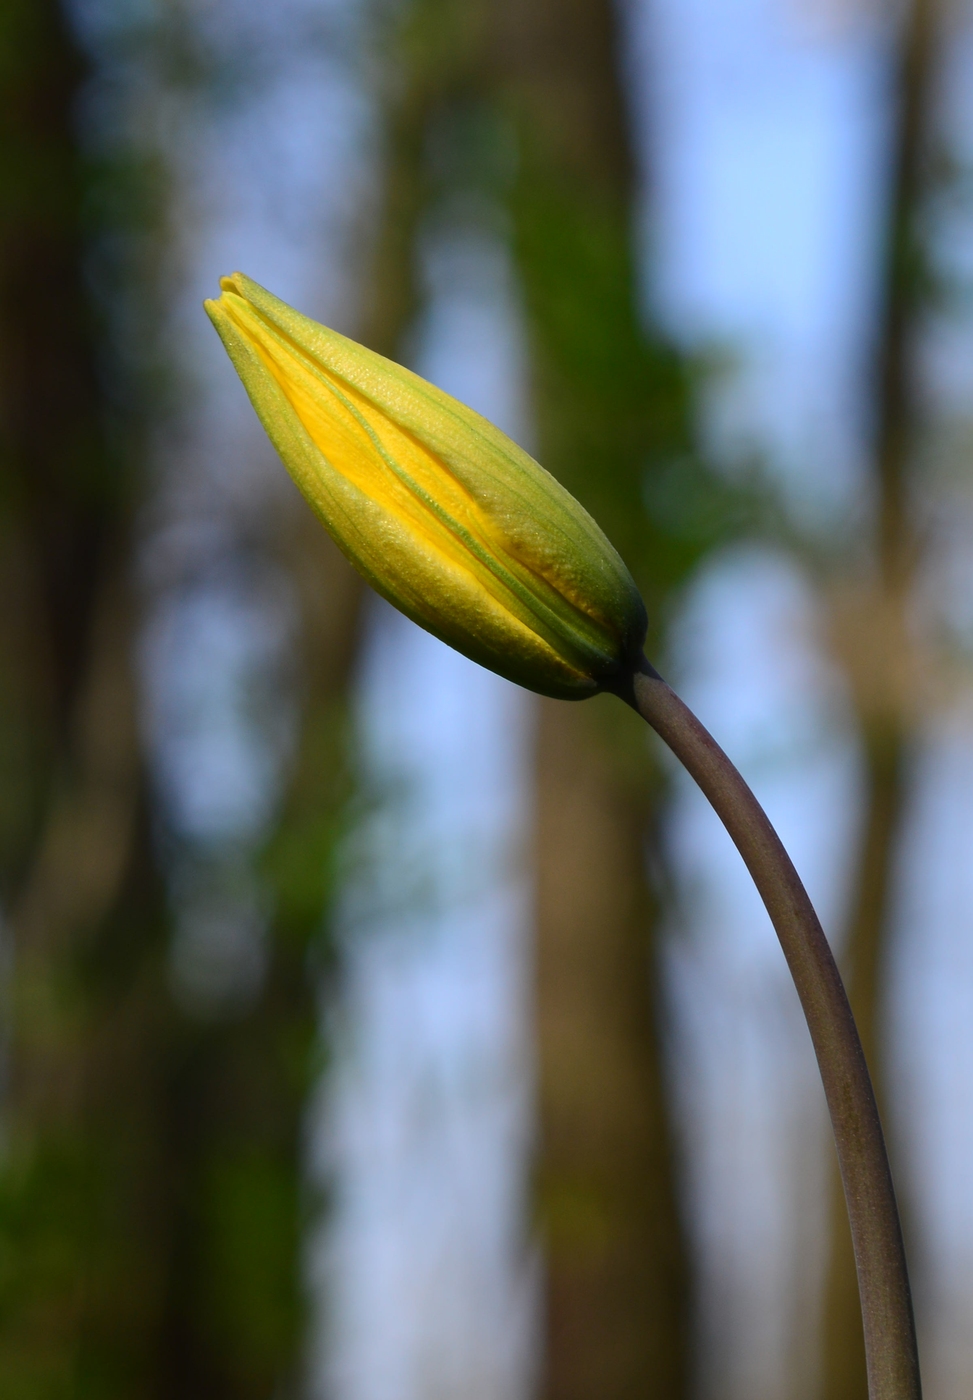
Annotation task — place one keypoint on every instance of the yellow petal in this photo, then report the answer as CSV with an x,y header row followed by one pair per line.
x,y
443,514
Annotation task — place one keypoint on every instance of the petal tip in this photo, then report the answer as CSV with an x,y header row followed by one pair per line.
x,y
233,283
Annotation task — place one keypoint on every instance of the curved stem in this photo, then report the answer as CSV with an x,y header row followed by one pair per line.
x,y
883,1281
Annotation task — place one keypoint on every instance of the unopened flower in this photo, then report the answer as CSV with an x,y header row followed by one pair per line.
x,y
446,517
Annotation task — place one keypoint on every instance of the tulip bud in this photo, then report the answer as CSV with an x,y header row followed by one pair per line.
x,y
443,514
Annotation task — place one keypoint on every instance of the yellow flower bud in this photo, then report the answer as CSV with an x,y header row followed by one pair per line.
x,y
443,514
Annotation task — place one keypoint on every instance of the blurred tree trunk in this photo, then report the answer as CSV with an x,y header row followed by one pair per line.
x,y
152,1178
616,1302
83,897
233,1320
264,1068
611,403
872,636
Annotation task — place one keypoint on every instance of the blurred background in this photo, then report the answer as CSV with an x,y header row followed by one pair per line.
x,y
373,1030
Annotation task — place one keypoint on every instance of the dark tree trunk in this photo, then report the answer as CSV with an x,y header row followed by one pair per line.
x,y
612,404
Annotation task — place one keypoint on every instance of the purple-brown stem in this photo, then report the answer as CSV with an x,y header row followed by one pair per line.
x,y
883,1280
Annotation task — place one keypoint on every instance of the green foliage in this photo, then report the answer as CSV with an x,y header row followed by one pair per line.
x,y
249,1288
299,861
615,401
